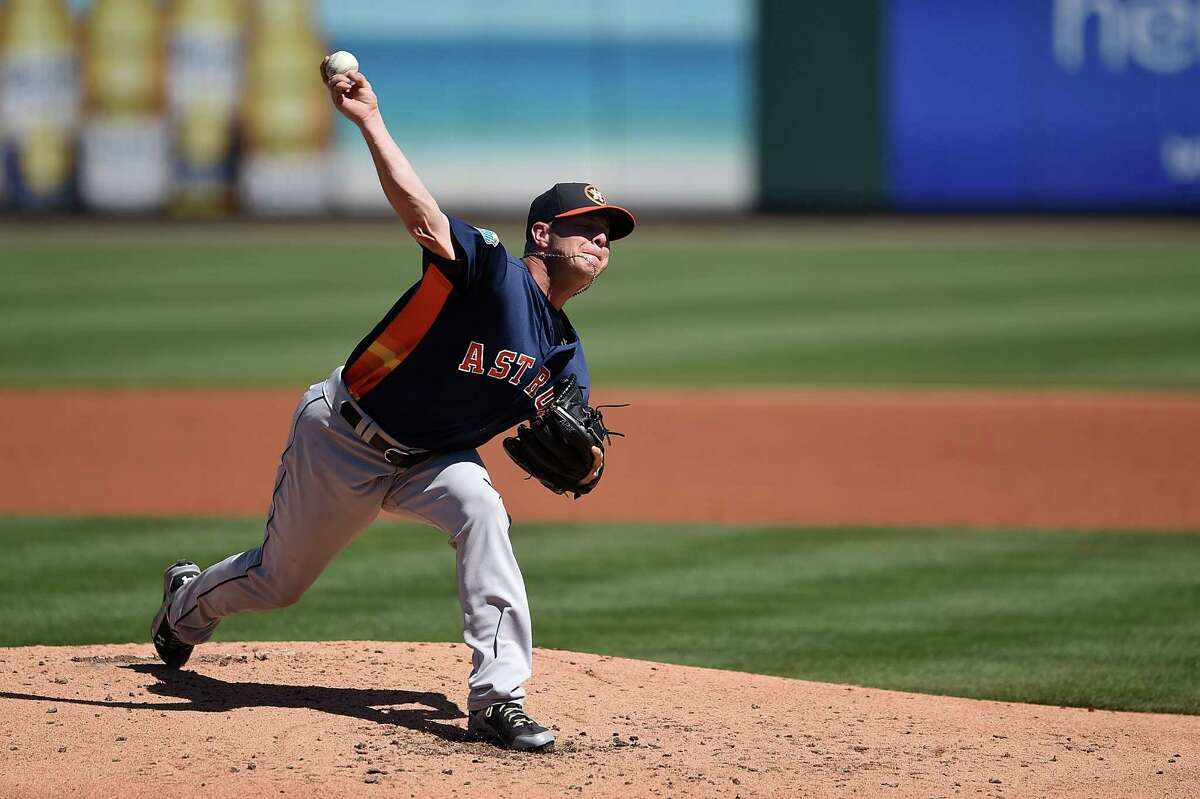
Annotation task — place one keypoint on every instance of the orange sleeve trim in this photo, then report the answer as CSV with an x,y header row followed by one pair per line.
x,y
401,336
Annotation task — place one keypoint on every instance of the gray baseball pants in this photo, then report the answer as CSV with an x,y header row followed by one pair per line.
x,y
330,485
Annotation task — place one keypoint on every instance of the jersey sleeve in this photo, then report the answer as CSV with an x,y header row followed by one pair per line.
x,y
570,361
475,251
582,376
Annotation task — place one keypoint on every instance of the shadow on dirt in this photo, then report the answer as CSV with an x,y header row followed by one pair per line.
x,y
209,695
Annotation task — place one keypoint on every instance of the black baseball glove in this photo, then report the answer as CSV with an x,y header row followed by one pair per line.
x,y
556,447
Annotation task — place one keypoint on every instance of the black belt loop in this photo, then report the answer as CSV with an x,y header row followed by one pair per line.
x,y
350,414
393,455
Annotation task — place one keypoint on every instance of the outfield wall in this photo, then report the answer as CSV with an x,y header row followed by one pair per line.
x,y
943,105
212,107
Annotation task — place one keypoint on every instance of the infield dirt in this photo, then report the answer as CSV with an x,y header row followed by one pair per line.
x,y
956,458
386,719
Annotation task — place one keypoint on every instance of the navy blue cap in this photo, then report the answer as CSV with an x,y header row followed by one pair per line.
x,y
565,200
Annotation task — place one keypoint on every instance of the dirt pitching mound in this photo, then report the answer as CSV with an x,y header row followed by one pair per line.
x,y
364,719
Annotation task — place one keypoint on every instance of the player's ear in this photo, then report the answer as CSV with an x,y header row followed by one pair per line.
x,y
540,233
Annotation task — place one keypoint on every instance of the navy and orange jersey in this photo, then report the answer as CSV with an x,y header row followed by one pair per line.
x,y
471,350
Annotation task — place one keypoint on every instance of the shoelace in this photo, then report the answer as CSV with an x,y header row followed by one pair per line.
x,y
514,714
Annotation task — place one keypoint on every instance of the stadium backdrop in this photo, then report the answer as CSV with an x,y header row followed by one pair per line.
x,y
141,106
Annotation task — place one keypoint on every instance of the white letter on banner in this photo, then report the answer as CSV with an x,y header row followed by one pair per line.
x,y
1070,33
1162,35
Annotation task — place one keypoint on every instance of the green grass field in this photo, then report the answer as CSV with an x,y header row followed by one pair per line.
x,y
1105,619
1102,619
722,311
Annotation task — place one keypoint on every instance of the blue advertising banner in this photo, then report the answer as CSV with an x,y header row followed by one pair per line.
x,y
1053,104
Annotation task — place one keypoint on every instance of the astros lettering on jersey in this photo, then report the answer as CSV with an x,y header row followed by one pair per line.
x,y
422,373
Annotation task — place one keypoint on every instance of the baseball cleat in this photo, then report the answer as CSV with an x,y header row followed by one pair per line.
x,y
508,722
173,652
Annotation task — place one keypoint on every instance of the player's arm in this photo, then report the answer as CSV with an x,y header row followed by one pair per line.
x,y
353,96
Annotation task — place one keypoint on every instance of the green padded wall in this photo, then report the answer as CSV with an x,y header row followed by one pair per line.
x,y
820,120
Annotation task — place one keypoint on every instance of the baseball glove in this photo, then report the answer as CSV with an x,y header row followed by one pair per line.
x,y
556,447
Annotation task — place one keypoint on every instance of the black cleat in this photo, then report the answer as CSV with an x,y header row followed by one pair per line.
x,y
173,652
508,722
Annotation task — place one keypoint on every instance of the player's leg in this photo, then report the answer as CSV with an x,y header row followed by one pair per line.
x,y
453,492
328,488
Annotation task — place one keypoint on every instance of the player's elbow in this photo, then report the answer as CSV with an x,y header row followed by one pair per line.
x,y
433,234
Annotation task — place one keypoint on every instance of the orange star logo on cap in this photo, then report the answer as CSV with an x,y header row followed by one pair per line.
x,y
595,195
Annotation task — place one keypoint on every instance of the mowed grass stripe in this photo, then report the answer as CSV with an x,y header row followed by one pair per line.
x,y
1101,619
767,314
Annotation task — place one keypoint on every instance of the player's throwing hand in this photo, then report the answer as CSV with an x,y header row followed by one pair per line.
x,y
352,94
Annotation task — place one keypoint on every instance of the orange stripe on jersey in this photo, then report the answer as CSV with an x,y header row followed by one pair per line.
x,y
401,336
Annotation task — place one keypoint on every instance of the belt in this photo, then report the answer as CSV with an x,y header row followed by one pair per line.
x,y
391,453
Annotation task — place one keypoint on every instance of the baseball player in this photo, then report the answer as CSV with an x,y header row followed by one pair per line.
x,y
477,345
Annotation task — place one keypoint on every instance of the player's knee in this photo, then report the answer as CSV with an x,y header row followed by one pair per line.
x,y
485,506
485,509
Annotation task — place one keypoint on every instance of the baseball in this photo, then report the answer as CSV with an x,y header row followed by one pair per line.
x,y
340,63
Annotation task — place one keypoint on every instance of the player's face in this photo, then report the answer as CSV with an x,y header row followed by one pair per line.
x,y
586,236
